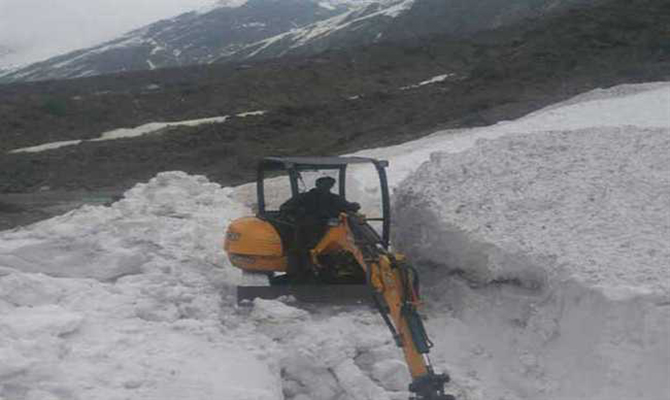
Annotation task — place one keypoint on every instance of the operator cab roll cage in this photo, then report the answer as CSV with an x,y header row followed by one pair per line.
x,y
293,166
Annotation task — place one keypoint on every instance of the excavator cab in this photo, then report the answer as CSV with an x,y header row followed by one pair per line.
x,y
351,261
263,244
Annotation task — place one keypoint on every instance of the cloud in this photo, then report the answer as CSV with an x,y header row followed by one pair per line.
x,y
38,29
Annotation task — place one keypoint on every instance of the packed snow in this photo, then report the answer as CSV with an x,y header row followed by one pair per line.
x,y
542,244
532,195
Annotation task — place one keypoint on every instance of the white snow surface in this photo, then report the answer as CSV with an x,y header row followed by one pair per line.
x,y
435,79
542,244
531,196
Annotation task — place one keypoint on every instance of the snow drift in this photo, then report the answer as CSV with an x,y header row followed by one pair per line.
x,y
553,249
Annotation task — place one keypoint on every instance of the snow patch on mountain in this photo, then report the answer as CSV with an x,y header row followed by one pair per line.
x,y
198,37
321,29
150,128
435,79
221,4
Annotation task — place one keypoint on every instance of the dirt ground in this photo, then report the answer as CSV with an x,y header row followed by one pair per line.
x,y
26,208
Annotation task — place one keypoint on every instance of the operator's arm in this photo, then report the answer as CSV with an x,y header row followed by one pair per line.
x,y
293,205
344,205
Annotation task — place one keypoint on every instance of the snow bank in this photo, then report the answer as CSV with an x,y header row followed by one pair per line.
x,y
137,301
643,106
126,301
330,353
560,243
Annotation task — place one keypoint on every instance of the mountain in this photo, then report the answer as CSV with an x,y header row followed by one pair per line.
x,y
332,103
245,31
193,38
401,21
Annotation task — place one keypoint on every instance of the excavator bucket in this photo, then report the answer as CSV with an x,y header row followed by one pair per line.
x,y
341,294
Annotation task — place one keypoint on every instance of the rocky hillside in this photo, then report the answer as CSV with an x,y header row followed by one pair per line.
x,y
262,29
332,103
197,37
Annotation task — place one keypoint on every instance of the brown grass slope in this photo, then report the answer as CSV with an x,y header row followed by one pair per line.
x,y
500,74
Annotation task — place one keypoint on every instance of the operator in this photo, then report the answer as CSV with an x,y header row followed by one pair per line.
x,y
319,202
311,210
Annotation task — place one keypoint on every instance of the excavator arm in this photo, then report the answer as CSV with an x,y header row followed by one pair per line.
x,y
395,289
396,297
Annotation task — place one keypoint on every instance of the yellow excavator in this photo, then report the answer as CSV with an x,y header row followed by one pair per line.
x,y
350,261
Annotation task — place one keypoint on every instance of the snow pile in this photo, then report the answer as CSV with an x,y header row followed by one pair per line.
x,y
534,195
137,301
125,302
644,106
564,237
332,354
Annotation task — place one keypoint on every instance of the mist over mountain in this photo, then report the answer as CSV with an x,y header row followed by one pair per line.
x,y
192,38
244,31
4,53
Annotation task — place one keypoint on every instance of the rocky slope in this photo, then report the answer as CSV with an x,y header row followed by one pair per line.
x,y
262,29
357,98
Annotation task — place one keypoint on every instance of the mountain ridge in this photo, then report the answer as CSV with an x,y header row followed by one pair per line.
x,y
265,29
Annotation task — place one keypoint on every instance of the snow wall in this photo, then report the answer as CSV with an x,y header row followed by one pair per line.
x,y
552,251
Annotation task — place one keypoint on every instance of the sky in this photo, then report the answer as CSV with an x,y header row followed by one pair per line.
x,y
38,29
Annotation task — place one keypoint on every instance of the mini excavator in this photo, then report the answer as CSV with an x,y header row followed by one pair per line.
x,y
351,259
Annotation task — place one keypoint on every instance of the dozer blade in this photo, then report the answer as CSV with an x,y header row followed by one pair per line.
x,y
327,294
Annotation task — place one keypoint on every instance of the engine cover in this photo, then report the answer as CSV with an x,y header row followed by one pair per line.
x,y
254,245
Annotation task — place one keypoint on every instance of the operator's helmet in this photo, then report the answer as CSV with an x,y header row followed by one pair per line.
x,y
325,182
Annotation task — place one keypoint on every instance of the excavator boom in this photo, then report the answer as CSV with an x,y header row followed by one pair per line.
x,y
395,291
350,263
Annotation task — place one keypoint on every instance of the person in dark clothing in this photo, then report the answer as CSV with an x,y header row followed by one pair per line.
x,y
319,202
311,211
